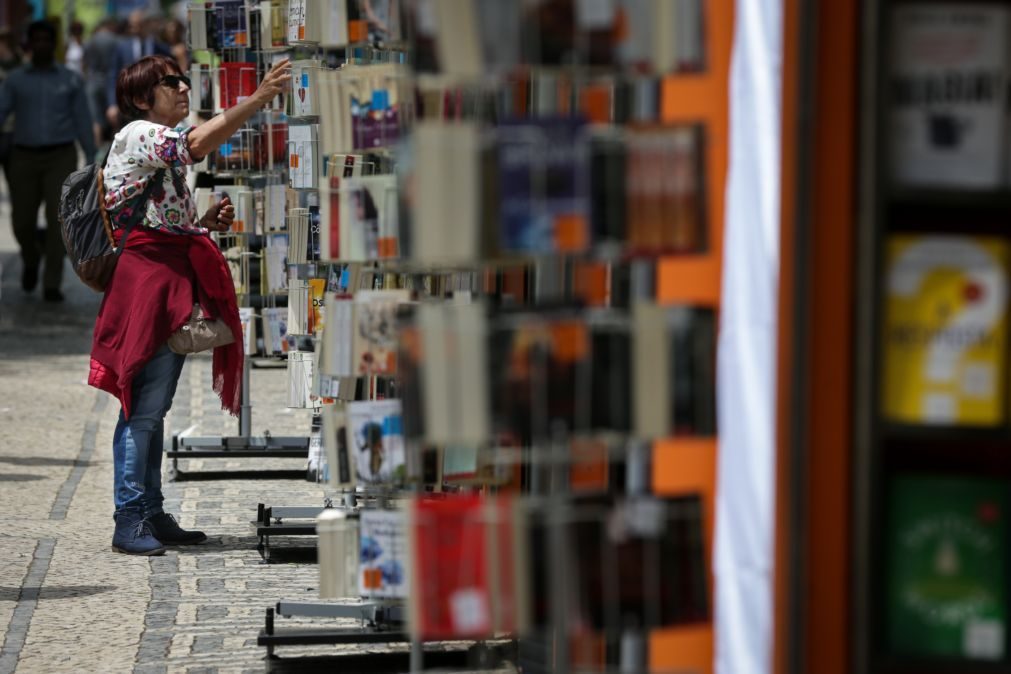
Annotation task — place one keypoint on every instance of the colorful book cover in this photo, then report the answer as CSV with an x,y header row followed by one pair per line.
x,y
375,119
233,23
383,558
544,180
374,341
945,330
317,290
374,428
275,330
946,593
948,93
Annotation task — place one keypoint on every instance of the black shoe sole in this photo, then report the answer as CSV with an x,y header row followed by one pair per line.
x,y
151,553
195,541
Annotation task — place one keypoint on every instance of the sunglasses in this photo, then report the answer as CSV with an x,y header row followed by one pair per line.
x,y
174,81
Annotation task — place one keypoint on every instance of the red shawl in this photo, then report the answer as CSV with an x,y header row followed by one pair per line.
x,y
151,295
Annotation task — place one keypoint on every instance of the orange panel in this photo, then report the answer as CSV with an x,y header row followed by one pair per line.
x,y
689,465
688,649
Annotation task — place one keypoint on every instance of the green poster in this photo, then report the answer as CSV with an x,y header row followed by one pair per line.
x,y
946,567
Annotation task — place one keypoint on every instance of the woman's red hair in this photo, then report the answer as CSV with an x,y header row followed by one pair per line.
x,y
137,82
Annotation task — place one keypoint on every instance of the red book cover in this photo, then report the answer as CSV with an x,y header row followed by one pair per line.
x,y
449,563
238,80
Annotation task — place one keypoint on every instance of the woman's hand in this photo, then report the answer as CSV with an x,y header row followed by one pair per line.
x,y
275,82
220,216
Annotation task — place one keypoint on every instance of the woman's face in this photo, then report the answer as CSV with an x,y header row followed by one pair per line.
x,y
171,104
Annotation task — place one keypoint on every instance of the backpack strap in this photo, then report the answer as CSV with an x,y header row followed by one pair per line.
x,y
136,217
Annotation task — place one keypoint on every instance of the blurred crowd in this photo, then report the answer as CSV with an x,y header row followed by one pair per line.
x,y
98,57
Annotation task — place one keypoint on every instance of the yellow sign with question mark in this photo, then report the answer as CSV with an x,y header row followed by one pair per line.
x,y
944,330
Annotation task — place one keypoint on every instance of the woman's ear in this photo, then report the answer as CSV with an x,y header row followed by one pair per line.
x,y
141,104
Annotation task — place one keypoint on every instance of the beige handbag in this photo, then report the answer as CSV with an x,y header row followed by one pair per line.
x,y
200,334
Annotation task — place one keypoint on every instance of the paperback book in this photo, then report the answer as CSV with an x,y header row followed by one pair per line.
x,y
383,559
377,441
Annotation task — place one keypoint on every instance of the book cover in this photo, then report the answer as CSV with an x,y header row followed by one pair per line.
x,y
948,94
300,380
383,559
374,341
247,318
202,92
947,564
275,330
375,114
233,23
303,156
237,81
305,88
335,444
944,331
544,174
376,438
317,290
368,211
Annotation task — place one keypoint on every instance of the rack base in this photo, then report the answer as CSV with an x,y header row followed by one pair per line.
x,y
270,522
234,448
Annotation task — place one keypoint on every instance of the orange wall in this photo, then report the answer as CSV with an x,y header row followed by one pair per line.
x,y
690,465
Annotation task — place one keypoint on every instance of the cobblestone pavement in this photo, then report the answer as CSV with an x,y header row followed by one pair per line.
x,y
67,602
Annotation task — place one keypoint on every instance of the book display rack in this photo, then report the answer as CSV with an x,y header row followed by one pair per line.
x,y
498,248
933,477
231,48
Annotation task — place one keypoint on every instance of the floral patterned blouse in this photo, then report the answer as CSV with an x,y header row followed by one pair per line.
x,y
138,151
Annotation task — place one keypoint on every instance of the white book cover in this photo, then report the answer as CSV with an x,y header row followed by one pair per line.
x,y
275,256
296,20
303,156
334,24
247,317
300,380
383,555
947,90
377,441
368,212
305,76
275,330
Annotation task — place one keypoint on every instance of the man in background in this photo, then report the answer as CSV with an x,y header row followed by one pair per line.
x,y
137,42
51,112
99,54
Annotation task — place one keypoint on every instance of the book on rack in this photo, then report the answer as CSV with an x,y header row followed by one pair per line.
x,y
273,24
377,441
300,380
681,342
664,197
462,547
659,37
303,156
275,262
197,19
317,290
339,310
946,590
202,89
236,82
544,186
949,71
275,330
335,444
298,306
366,225
637,563
303,21
446,192
298,236
305,94
336,169
945,330
247,318
375,334
383,558
453,373
611,404
232,18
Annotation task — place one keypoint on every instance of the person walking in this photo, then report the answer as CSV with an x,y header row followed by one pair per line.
x,y
10,59
99,52
136,42
50,112
168,262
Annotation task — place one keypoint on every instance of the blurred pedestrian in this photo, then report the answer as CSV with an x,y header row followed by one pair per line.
x,y
174,37
137,42
51,112
10,58
99,53
74,58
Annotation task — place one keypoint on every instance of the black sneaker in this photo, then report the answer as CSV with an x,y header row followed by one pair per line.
x,y
167,530
29,278
52,295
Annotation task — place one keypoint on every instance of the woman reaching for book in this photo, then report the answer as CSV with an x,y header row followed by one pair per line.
x,y
168,263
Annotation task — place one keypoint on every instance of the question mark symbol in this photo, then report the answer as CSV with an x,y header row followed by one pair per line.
x,y
945,379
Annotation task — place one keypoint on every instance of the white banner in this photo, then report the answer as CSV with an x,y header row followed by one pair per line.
x,y
746,399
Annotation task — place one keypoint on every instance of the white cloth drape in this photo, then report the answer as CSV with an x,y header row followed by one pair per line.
x,y
746,390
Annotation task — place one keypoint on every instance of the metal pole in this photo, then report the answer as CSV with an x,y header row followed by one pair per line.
x,y
245,410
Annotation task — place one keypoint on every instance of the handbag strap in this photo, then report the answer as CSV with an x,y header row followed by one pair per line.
x,y
136,216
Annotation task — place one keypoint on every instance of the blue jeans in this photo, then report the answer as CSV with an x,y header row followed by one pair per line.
x,y
137,444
